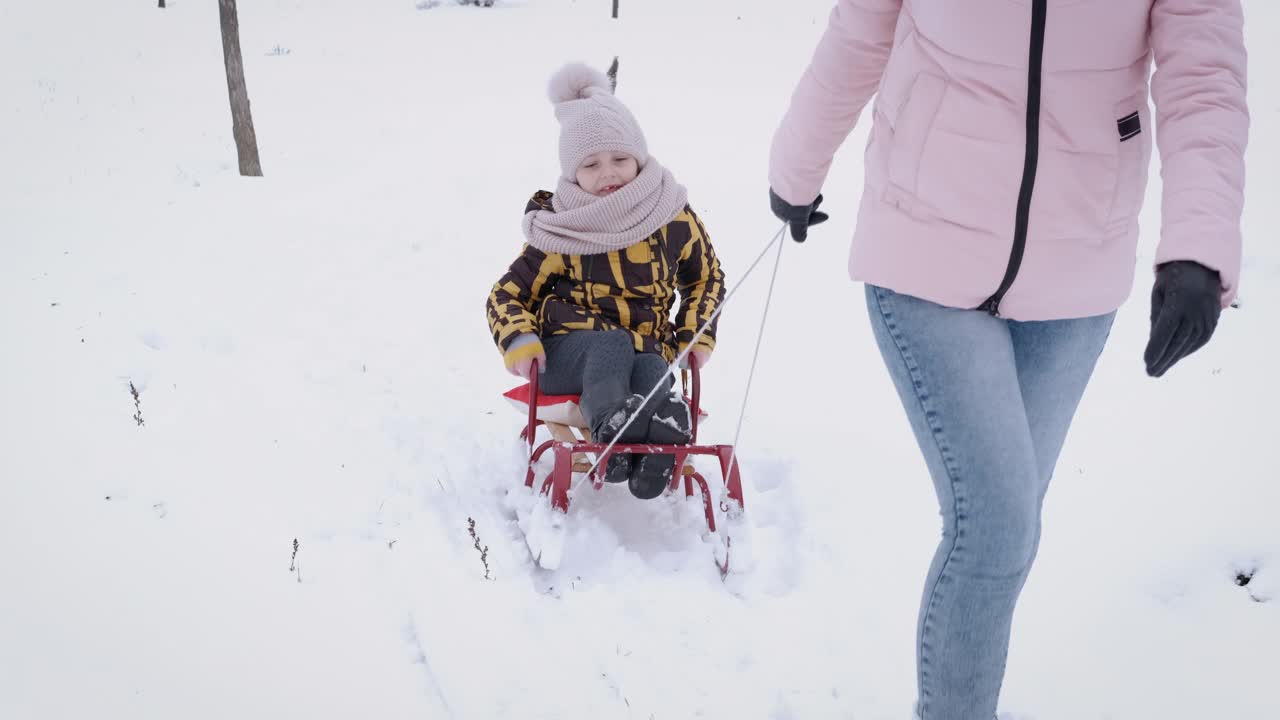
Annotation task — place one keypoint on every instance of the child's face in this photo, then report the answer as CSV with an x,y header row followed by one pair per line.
x,y
605,172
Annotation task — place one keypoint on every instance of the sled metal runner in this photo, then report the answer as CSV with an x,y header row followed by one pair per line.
x,y
567,449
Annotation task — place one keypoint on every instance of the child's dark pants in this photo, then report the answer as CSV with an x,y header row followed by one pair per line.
x,y
604,368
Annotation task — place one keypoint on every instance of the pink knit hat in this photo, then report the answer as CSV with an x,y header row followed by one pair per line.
x,y
591,119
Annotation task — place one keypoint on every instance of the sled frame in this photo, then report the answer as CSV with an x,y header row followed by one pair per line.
x,y
570,452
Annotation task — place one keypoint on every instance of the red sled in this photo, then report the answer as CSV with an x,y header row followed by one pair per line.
x,y
570,451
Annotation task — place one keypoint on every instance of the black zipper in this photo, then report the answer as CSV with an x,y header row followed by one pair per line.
x,y
1039,11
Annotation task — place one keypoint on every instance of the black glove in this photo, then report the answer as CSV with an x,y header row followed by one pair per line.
x,y
1185,304
800,217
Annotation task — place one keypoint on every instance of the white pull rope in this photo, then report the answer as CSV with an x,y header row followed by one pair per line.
x,y
674,367
764,315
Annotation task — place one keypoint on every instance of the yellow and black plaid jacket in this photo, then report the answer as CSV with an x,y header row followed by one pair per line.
x,y
633,289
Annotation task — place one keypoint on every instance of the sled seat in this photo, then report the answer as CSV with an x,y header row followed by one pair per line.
x,y
562,416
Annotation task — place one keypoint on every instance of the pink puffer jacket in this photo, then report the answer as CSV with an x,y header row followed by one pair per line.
x,y
1008,158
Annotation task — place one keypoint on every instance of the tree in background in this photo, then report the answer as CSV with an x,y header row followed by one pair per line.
x,y
241,119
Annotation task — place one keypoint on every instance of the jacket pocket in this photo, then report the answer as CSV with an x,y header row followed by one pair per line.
x,y
936,174
1133,158
911,128
959,163
557,316
1072,196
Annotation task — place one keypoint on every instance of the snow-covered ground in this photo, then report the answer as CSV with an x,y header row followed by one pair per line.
x,y
312,365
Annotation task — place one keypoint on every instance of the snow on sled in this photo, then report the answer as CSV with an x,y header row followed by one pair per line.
x,y
573,452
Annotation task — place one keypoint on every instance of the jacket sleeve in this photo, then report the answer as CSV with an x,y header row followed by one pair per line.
x,y
841,78
701,285
513,302
1202,128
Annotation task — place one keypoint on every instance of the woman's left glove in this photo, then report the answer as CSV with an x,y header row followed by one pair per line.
x,y
1185,304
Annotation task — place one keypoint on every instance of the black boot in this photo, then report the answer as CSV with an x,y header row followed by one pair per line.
x,y
618,469
671,423
650,475
606,424
605,427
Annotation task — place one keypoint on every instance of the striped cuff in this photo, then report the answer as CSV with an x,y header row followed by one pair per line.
x,y
522,349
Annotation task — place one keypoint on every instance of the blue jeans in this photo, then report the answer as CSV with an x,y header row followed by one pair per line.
x,y
990,401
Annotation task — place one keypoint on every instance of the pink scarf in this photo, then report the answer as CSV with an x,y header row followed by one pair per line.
x,y
583,224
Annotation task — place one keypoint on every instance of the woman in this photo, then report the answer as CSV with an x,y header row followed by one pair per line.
x,y
1004,174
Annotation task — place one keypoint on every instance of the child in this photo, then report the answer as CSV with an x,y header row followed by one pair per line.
x,y
590,296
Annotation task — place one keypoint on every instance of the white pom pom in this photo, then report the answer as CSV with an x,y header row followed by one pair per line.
x,y
574,81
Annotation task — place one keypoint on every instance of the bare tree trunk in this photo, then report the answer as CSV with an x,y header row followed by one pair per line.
x,y
161,4
613,74
241,120
615,9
